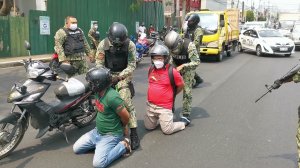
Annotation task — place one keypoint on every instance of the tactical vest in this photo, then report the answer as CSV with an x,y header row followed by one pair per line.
x,y
96,35
116,59
74,42
183,56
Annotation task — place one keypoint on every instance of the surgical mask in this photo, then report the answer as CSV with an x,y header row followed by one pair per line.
x,y
96,27
158,64
73,26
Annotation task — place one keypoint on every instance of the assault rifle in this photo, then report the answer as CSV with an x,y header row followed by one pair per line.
x,y
277,83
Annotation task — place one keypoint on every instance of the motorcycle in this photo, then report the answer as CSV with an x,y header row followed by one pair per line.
x,y
71,106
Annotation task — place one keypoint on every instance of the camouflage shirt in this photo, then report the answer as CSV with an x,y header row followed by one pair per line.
x,y
59,39
193,56
92,38
127,72
296,77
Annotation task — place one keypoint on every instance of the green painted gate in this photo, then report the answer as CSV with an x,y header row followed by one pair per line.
x,y
4,36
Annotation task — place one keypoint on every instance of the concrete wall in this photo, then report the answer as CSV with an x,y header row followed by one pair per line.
x,y
26,5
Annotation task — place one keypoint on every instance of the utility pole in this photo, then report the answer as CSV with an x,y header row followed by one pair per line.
x,y
243,11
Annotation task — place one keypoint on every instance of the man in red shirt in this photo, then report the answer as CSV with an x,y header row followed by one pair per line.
x,y
161,95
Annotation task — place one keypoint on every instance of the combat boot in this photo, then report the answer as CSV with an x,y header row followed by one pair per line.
x,y
135,141
198,80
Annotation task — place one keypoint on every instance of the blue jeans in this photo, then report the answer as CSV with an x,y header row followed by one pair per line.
x,y
107,147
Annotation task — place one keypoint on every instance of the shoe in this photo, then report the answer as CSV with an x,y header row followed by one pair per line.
x,y
197,82
126,142
187,116
135,141
185,120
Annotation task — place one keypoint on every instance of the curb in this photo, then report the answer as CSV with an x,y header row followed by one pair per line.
x,y
18,62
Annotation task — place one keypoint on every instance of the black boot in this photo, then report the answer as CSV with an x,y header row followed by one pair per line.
x,y
198,79
135,141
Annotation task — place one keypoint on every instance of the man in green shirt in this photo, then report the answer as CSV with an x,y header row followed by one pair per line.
x,y
111,122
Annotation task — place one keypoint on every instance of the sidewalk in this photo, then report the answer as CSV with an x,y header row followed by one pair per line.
x,y
16,61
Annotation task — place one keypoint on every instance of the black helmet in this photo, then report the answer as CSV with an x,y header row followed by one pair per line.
x,y
192,20
117,34
99,78
159,49
174,42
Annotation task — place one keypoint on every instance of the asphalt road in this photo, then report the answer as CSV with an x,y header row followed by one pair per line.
x,y
228,129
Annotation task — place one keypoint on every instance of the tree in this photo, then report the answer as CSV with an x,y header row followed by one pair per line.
x,y
249,16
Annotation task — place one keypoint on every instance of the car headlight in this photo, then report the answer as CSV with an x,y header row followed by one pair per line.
x,y
213,44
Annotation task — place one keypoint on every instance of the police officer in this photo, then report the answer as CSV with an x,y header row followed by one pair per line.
x,y
184,57
117,53
94,37
71,44
195,33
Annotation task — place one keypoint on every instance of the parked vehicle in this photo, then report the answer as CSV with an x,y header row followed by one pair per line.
x,y
221,32
253,25
295,35
72,105
266,41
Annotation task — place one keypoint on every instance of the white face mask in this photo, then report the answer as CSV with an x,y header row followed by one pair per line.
x,y
96,27
73,26
158,64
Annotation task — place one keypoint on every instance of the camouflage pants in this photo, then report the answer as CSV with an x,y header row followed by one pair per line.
x,y
188,78
80,66
93,51
124,91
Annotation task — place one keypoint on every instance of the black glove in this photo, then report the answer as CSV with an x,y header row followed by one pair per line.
x,y
276,84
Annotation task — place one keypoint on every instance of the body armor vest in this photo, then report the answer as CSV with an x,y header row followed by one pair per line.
x,y
74,42
183,56
116,59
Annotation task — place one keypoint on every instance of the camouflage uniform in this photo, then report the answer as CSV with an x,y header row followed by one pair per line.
x,y
94,40
296,79
188,72
126,74
196,37
77,60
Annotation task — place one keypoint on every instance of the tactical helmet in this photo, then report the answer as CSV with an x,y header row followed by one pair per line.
x,y
159,49
117,34
174,42
192,20
99,78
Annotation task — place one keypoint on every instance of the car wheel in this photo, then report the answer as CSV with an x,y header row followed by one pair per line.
x,y
258,51
240,48
287,55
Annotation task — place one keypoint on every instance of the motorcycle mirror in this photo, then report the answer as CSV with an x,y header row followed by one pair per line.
x,y
27,45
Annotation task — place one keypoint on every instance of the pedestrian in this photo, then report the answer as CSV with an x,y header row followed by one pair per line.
x,y
117,53
184,57
107,138
151,29
142,28
161,93
195,33
94,37
71,44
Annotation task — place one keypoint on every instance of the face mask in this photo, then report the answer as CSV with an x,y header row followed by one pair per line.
x,y
96,27
73,26
158,64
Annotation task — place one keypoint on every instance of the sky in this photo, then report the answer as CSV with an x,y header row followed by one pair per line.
x,y
282,5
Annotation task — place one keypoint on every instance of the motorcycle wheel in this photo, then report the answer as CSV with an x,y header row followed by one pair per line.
x,y
88,117
6,147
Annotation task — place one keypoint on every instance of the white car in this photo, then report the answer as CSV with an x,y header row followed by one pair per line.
x,y
295,34
265,41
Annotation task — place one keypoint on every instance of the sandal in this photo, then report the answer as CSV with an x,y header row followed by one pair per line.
x,y
127,147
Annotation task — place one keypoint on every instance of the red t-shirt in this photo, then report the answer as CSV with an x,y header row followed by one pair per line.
x,y
160,91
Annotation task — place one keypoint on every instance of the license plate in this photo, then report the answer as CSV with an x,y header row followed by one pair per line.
x,y
283,49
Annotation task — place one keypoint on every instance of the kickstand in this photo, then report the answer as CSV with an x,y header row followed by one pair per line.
x,y
63,130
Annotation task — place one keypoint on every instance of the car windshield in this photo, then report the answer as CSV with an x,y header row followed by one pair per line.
x,y
253,25
209,22
269,33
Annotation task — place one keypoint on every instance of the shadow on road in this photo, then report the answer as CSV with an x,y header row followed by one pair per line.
x,y
54,141
289,156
